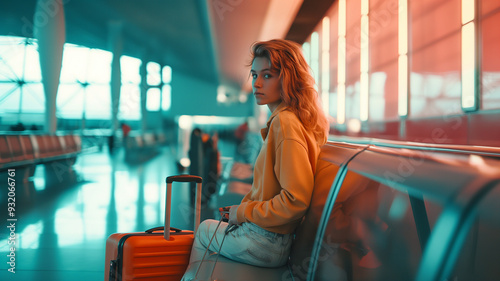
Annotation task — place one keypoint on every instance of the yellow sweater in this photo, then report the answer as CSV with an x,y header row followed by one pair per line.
x,y
283,175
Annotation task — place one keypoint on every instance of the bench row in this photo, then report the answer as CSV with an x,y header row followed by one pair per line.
x,y
144,141
23,150
394,211
140,148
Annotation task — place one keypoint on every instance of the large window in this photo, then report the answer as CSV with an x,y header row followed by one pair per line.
x,y
154,80
84,90
166,98
21,91
130,94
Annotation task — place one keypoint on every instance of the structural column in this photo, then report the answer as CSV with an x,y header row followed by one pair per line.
x,y
50,31
144,90
116,48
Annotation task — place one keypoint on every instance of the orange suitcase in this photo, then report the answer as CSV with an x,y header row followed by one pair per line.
x,y
153,255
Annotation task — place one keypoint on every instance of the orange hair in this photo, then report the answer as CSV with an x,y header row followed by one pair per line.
x,y
297,83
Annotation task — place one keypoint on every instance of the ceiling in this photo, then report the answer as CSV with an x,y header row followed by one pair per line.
x,y
208,39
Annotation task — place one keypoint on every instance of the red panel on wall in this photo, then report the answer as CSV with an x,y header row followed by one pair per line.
x,y
441,57
432,20
384,93
333,14
484,129
488,6
490,62
490,43
353,40
435,79
383,25
442,130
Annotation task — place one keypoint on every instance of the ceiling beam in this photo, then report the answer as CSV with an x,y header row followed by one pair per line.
x,y
310,14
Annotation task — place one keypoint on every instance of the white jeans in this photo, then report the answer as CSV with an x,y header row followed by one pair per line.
x,y
248,244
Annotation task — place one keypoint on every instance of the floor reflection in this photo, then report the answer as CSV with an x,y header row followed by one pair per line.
x,y
66,212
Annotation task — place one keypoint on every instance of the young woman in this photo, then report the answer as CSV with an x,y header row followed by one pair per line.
x,y
284,170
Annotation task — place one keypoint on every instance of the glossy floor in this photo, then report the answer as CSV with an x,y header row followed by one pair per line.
x,y
64,217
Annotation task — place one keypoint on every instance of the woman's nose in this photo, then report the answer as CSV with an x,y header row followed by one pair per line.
x,y
257,82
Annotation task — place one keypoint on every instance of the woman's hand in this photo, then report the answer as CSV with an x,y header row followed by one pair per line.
x,y
224,211
233,218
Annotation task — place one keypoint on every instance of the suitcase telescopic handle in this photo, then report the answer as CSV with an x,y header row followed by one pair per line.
x,y
184,178
168,201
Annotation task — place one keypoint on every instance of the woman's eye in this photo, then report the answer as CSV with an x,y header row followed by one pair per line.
x,y
254,76
267,76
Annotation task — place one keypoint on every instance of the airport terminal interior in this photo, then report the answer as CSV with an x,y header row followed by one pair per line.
x,y
101,100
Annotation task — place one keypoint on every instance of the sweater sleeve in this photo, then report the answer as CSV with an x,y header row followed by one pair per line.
x,y
294,173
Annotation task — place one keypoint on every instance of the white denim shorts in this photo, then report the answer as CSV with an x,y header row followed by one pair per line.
x,y
248,244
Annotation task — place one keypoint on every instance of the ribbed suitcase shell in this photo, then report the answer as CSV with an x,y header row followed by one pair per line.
x,y
153,256
148,256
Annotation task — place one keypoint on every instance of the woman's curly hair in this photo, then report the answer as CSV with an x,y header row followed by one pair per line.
x,y
297,83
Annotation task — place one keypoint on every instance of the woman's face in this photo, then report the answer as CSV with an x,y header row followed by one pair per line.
x,y
266,83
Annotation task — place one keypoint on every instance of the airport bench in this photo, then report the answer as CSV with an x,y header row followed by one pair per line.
x,y
139,148
393,212
24,152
